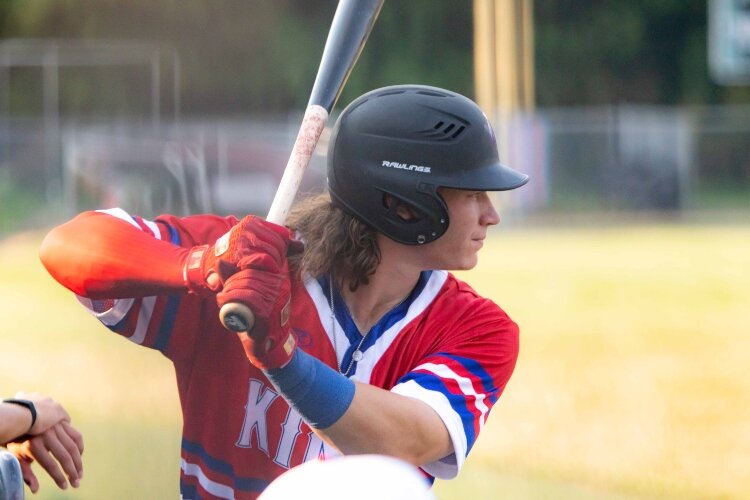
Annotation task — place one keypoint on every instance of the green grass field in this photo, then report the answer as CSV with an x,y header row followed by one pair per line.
x,y
633,379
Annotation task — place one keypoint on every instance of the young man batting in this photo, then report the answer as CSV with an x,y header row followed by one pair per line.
x,y
363,343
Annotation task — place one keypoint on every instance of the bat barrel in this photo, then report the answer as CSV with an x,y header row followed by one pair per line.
x,y
313,124
350,28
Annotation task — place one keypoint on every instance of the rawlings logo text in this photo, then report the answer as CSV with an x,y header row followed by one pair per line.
x,y
406,166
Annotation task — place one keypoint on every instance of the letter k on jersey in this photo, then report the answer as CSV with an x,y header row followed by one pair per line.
x,y
255,431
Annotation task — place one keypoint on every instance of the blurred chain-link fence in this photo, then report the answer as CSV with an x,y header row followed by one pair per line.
x,y
622,158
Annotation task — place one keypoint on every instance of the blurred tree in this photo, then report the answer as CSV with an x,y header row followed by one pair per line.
x,y
639,51
420,41
240,57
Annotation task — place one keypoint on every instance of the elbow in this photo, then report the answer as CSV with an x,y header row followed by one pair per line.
x,y
418,453
51,252
415,448
58,256
418,448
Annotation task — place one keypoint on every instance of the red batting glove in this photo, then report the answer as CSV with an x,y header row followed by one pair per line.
x,y
252,239
266,289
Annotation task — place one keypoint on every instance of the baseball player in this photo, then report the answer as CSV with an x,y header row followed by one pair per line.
x,y
362,342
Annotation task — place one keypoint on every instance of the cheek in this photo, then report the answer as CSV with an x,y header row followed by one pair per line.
x,y
463,252
464,262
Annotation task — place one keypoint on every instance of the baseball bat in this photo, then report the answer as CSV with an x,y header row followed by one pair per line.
x,y
349,30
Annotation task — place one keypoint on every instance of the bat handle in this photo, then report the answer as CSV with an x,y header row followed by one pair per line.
x,y
237,317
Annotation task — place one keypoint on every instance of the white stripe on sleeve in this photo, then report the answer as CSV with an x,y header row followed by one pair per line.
x,y
123,215
446,468
120,214
144,318
464,384
153,227
111,316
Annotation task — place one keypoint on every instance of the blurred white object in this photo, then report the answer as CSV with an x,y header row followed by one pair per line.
x,y
364,477
11,479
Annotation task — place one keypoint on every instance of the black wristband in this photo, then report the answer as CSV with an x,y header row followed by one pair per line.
x,y
26,404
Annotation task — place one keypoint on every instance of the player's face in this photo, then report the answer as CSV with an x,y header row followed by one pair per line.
x,y
471,214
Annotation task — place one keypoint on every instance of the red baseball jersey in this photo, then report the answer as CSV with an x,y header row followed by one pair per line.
x,y
444,345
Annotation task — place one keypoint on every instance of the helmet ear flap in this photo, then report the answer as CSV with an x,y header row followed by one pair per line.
x,y
401,210
427,217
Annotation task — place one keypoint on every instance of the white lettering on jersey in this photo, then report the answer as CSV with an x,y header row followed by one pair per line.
x,y
315,448
258,401
290,430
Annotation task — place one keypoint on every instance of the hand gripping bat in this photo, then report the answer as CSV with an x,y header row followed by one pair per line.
x,y
349,30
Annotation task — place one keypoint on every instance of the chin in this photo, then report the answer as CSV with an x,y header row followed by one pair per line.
x,y
466,265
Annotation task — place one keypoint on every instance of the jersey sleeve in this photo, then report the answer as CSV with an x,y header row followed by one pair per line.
x,y
464,376
167,322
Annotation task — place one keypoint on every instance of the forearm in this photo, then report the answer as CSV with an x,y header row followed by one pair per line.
x,y
100,256
382,422
16,421
359,418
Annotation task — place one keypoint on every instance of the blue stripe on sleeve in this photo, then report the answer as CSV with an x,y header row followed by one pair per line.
x,y
166,327
174,236
170,312
432,382
473,367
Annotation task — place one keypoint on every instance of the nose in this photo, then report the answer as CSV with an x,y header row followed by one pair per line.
x,y
490,216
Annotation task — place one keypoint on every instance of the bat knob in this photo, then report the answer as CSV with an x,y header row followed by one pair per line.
x,y
237,317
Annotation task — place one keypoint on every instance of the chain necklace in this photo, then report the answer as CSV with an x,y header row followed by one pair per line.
x,y
357,354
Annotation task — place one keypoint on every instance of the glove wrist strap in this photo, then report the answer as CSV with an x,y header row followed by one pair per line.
x,y
192,272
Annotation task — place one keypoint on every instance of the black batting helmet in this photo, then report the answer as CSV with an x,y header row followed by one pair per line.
x,y
407,141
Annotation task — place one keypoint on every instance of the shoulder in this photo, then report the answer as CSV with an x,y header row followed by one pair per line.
x,y
460,318
197,229
460,297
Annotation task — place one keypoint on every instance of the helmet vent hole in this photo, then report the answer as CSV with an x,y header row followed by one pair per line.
x,y
432,93
391,92
443,131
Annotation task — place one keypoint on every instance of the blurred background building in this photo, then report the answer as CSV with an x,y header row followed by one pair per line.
x,y
615,106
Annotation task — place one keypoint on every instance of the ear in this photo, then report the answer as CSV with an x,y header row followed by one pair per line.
x,y
406,213
402,210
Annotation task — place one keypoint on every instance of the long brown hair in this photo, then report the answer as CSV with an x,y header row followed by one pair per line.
x,y
335,242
